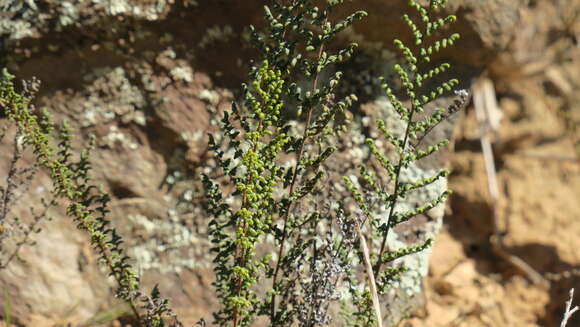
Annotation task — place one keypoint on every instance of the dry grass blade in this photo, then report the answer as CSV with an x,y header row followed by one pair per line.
x,y
569,310
488,116
371,276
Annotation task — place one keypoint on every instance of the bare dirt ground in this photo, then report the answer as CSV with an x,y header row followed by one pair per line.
x,y
538,171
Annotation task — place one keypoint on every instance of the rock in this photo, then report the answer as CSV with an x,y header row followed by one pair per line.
x,y
59,266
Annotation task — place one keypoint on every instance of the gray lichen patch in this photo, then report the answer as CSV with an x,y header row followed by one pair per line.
x,y
116,137
149,10
69,14
178,68
24,18
112,96
167,245
182,73
175,239
210,96
216,33
18,28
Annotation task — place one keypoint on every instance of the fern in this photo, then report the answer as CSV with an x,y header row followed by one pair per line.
x,y
267,191
273,204
87,205
414,76
285,240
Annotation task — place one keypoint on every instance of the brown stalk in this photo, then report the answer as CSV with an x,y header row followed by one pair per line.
x,y
291,191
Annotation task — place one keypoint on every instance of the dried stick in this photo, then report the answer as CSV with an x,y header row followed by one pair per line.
x,y
488,115
371,277
569,310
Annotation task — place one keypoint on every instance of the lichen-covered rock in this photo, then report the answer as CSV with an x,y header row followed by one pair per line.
x,y
486,26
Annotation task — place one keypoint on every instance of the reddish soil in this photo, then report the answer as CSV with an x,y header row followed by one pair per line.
x,y
538,171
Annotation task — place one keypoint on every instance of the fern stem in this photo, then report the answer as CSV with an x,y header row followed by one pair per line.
x,y
290,192
110,265
241,254
396,191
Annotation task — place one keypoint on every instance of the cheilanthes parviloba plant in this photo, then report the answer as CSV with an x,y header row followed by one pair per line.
x,y
269,225
87,205
287,244
271,193
15,233
415,76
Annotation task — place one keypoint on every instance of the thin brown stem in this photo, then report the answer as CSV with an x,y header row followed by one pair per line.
x,y
26,235
103,249
395,193
10,183
290,192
